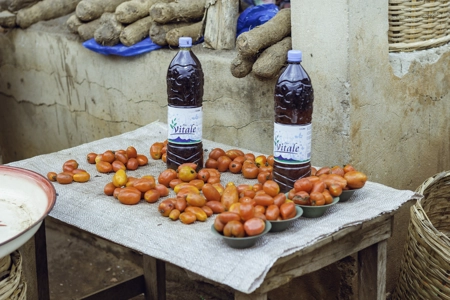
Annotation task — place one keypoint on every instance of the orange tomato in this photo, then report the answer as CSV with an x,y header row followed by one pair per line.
x,y
303,184
208,211
235,167
279,199
210,192
51,176
355,179
272,212
337,170
108,156
162,189
317,199
348,168
223,162
250,171
166,176
174,214
129,196
263,199
64,178
323,170
246,211
90,157
335,189
263,176
121,156
131,152
142,159
118,165
228,216
230,195
260,160
287,210
216,206
194,199
199,213
152,195
132,164
166,206
271,188
233,153
254,226
234,229
216,153
318,186
328,198
156,150
81,177
313,171
203,174
270,160
109,189
187,217
211,163
103,166
198,183
302,198
144,184
180,203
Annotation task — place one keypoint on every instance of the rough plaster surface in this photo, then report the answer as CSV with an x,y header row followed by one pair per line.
x,y
385,113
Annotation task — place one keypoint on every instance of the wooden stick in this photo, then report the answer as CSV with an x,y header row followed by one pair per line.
x,y
220,26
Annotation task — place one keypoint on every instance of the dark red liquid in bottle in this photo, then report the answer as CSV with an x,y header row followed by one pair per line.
x,y
294,96
185,97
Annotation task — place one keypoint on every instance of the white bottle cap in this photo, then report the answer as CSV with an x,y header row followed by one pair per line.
x,y
184,42
294,55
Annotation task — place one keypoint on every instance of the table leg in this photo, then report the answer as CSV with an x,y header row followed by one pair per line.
x,y
155,278
241,296
41,263
372,272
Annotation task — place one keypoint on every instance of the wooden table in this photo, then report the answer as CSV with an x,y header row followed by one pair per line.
x,y
365,236
369,240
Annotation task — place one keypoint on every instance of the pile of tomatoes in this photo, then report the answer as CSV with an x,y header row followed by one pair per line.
x,y
326,183
111,161
70,173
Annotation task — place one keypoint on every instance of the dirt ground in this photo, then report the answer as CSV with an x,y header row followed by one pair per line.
x,y
80,264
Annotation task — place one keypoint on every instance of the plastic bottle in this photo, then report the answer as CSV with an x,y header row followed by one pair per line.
x,y
185,113
294,96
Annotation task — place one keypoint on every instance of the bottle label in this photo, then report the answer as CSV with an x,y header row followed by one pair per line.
x,y
185,125
292,143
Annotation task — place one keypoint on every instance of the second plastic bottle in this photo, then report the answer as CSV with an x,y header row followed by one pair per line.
x,y
184,113
294,96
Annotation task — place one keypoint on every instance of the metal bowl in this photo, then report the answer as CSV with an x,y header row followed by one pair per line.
x,y
26,198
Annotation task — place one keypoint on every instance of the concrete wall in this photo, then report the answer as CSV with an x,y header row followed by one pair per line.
x,y
386,114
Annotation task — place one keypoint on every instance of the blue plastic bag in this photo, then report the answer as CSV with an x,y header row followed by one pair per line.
x,y
144,46
254,16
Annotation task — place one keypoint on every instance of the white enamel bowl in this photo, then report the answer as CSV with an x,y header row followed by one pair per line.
x,y
26,198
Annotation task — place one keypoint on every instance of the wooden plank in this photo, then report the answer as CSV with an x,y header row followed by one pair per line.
x,y
241,296
40,243
155,278
121,291
305,262
220,25
372,272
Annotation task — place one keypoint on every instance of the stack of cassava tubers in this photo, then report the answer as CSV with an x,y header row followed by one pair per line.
x,y
263,49
130,21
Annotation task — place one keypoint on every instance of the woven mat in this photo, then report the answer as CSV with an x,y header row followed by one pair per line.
x,y
193,247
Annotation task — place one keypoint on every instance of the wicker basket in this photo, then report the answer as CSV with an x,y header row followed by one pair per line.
x,y
425,269
418,24
12,286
